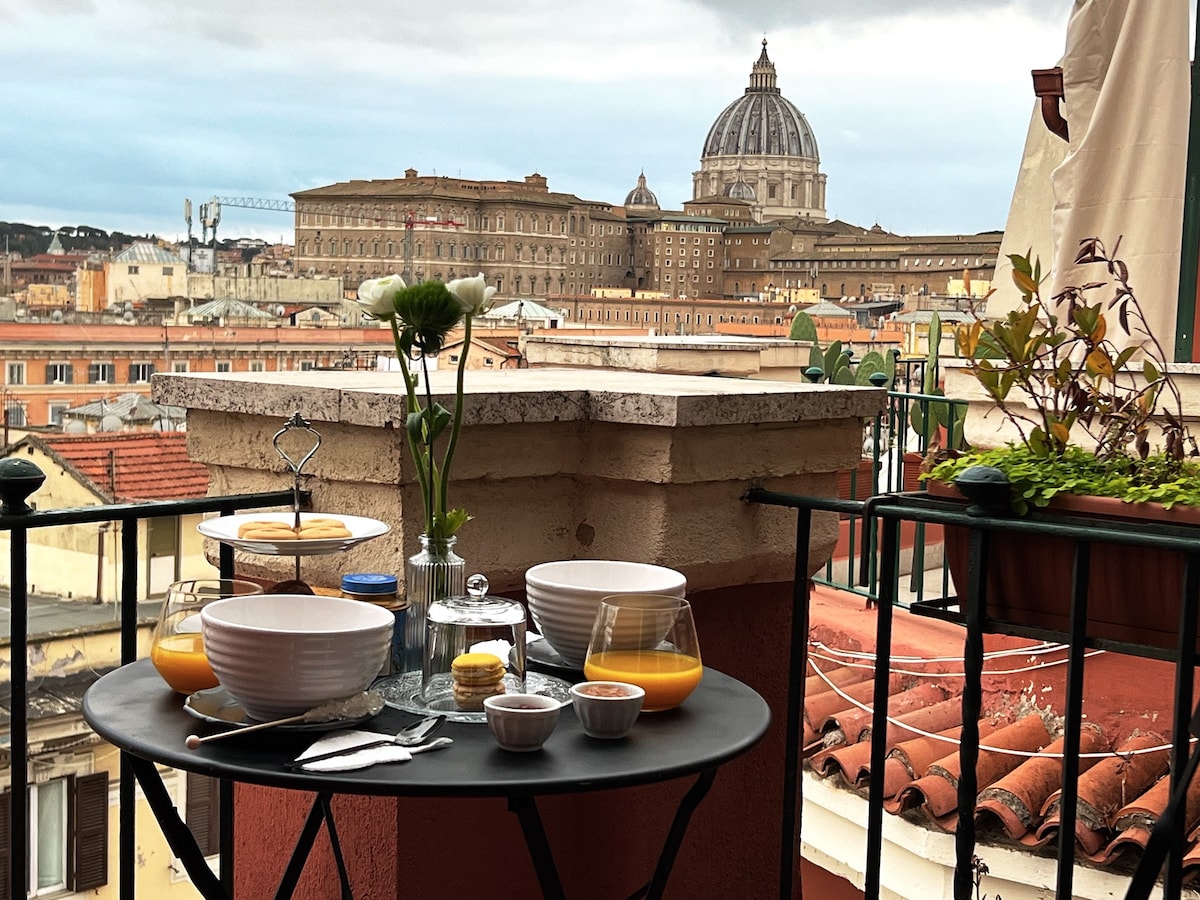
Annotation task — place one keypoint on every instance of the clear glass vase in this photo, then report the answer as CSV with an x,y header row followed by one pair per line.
x,y
437,572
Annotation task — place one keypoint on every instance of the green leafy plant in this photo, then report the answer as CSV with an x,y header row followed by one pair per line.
x,y
1055,372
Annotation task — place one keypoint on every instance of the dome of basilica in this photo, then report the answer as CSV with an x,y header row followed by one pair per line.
x,y
762,122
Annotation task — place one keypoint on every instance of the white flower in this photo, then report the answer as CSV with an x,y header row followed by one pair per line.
x,y
376,296
473,293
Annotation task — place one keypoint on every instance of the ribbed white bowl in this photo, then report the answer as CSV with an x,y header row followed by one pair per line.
x,y
563,597
283,654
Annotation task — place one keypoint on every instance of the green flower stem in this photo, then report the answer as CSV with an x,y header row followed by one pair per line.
x,y
458,405
411,407
435,509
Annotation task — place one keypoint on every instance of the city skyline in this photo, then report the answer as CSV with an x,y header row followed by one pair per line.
x,y
919,108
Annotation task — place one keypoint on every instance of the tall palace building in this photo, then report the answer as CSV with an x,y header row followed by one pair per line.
x,y
754,229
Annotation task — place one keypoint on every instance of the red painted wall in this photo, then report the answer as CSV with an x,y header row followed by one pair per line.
x,y
605,843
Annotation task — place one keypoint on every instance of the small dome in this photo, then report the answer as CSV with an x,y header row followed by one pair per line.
x,y
739,190
641,197
762,122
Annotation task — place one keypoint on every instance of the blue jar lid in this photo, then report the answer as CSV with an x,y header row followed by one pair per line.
x,y
369,583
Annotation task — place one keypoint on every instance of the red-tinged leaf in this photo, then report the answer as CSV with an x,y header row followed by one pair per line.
x,y
1099,364
1024,281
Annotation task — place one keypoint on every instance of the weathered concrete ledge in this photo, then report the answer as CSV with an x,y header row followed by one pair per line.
x,y
552,463
729,355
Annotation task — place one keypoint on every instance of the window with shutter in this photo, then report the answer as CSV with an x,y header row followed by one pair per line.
x,y
91,831
59,373
203,804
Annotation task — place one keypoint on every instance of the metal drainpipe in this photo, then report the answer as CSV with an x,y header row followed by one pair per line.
x,y
100,535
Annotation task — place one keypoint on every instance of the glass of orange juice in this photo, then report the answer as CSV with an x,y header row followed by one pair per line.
x,y
177,647
648,640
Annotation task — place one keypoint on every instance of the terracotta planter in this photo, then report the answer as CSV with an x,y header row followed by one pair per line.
x,y
1133,592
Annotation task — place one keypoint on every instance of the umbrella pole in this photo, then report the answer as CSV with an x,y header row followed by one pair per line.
x,y
1189,256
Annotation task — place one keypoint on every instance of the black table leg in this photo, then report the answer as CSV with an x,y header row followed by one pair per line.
x,y
327,807
322,810
179,837
653,890
304,845
683,816
526,810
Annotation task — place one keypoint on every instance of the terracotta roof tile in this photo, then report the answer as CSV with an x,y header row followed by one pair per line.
x,y
129,466
936,792
856,723
1019,798
1101,790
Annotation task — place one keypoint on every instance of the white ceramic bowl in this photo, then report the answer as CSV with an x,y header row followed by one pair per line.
x,y
521,722
607,709
283,654
563,597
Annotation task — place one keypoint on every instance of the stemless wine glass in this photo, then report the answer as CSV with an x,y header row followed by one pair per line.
x,y
648,640
177,647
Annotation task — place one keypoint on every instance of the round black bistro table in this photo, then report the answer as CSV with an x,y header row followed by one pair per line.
x,y
134,709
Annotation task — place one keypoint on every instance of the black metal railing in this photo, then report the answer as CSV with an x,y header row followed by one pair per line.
x,y
970,609
18,519
893,453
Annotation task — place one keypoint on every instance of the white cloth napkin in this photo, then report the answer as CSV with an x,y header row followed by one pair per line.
x,y
347,740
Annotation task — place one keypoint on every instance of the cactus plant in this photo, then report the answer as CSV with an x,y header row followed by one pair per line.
x,y
874,362
803,328
928,416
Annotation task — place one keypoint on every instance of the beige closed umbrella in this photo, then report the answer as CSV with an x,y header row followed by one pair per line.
x,y
1126,99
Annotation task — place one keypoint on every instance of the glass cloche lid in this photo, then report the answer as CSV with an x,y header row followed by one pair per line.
x,y
474,649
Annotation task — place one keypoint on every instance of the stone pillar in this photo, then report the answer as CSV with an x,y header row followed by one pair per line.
x,y
555,464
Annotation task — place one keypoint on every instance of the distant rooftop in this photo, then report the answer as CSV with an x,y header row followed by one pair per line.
x,y
126,466
131,408
146,252
227,308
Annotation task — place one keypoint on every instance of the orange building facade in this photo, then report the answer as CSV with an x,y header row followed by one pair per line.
x,y
52,367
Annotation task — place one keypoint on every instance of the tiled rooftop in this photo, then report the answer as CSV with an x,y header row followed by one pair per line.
x,y
129,466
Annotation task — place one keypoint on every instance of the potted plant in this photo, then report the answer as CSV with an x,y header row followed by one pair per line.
x,y
1086,388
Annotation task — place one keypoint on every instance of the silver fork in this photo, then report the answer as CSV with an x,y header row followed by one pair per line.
x,y
410,736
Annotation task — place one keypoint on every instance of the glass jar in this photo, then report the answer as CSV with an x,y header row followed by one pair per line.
x,y
433,574
381,590
477,623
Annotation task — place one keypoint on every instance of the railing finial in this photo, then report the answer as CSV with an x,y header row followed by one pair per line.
x,y
18,479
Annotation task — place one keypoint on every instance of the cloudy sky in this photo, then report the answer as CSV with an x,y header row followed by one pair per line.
x,y
113,111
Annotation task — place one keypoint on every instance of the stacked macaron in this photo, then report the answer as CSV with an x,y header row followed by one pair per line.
x,y
477,676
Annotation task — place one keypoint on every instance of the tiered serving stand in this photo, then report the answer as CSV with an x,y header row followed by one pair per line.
x,y
225,528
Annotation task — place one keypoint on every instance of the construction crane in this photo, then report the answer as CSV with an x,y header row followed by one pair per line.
x,y
210,213
210,216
